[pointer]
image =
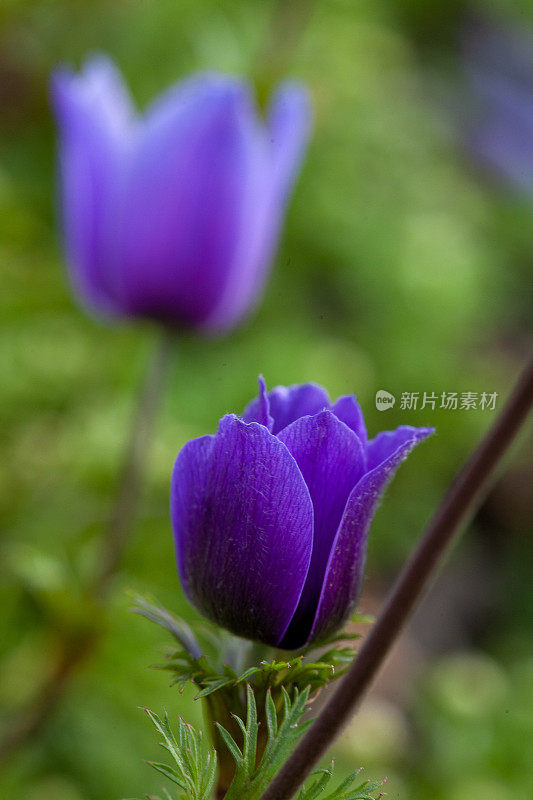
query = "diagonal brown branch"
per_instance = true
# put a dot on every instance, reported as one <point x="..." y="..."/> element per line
<point x="27" y="723"/>
<point x="462" y="497"/>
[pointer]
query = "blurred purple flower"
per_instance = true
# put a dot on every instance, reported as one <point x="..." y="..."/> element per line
<point x="271" y="514"/>
<point x="499" y="66"/>
<point x="174" y="215"/>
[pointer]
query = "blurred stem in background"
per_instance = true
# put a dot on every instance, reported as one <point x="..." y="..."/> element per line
<point x="286" y="26"/>
<point x="131" y="481"/>
<point x="77" y="648"/>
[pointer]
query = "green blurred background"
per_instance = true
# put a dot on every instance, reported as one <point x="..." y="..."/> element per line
<point x="400" y="268"/>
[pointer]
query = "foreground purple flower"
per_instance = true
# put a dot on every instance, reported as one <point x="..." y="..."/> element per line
<point x="271" y="514"/>
<point x="174" y="215"/>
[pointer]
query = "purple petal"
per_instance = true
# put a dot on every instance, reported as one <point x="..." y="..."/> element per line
<point x="498" y="61"/>
<point x="490" y="48"/>
<point x="243" y="526"/>
<point x="331" y="460"/>
<point x="385" y="443"/>
<point x="197" y="173"/>
<point x="289" y="123"/>
<point x="100" y="89"/>
<point x="289" y="403"/>
<point x="285" y="141"/>
<point x="259" y="409"/>
<point x="345" y="567"/>
<point x="95" y="121"/>
<point x="502" y="138"/>
<point x="348" y="410"/>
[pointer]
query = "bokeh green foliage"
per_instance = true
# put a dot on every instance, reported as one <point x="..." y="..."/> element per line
<point x="399" y="269"/>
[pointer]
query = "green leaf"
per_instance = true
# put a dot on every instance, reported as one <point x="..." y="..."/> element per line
<point x="314" y="788"/>
<point x="250" y="732"/>
<point x="344" y="791"/>
<point x="213" y="687"/>
<point x="209" y="776"/>
<point x="250" y="782"/>
<point x="247" y="674"/>
<point x="176" y="626"/>
<point x="231" y="744"/>
<point x="282" y="687"/>
<point x="190" y="664"/>
<point x="271" y="716"/>
<point x="194" y="767"/>
<point x="193" y="770"/>
<point x="169" y="773"/>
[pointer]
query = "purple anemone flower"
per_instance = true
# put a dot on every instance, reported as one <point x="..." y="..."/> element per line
<point x="175" y="214"/>
<point x="271" y="513"/>
<point x="498" y="61"/>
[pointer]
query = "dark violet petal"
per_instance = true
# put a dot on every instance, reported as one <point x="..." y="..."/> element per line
<point x="95" y="120"/>
<point x="348" y="410"/>
<point x="196" y="175"/>
<point x="243" y="527"/>
<point x="289" y="403"/>
<point x="258" y="409"/>
<point x="345" y="568"/>
<point x="331" y="459"/>
<point x="385" y="443"/>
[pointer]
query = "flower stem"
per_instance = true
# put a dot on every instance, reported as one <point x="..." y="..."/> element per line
<point x="463" y="496"/>
<point x="126" y="506"/>
<point x="286" y="27"/>
<point x="75" y="650"/>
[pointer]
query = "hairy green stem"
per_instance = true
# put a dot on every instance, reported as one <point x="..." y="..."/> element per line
<point x="463" y="496"/>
